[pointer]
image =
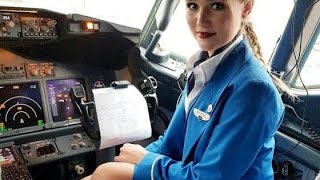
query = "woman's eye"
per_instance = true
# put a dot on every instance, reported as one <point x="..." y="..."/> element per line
<point x="217" y="6"/>
<point x="192" y="6"/>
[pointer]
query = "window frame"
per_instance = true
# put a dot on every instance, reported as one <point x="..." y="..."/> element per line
<point x="313" y="39"/>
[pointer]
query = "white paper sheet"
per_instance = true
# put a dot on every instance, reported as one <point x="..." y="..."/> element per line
<point x="122" y="115"/>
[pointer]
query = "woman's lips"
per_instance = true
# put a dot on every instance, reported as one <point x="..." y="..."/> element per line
<point x="204" y="35"/>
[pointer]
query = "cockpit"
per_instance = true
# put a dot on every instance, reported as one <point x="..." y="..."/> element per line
<point x="48" y="47"/>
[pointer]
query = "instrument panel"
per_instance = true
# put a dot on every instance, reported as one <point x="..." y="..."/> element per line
<point x="20" y="25"/>
<point x="37" y="114"/>
<point x="43" y="54"/>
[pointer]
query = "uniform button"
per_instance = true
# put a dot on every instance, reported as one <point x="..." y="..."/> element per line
<point x="209" y="110"/>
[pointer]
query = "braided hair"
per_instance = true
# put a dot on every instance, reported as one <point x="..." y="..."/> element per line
<point x="248" y="31"/>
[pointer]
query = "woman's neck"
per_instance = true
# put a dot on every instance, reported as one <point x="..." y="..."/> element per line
<point x="219" y="50"/>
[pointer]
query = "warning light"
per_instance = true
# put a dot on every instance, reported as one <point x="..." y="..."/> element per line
<point x="89" y="25"/>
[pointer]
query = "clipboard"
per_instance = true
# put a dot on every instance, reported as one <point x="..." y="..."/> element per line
<point x="122" y="114"/>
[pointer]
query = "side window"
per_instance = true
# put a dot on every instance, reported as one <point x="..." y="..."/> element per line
<point x="177" y="38"/>
<point x="268" y="26"/>
<point x="310" y="72"/>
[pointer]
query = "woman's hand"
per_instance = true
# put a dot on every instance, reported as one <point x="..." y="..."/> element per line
<point x="131" y="153"/>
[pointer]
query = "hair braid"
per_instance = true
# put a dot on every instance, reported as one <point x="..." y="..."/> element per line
<point x="257" y="51"/>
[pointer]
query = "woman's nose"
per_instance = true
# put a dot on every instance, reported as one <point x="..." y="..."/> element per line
<point x="203" y="19"/>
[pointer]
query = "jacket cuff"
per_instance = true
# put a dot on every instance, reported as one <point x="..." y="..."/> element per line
<point x="144" y="170"/>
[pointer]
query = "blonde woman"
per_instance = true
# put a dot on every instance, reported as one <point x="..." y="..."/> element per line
<point x="224" y="125"/>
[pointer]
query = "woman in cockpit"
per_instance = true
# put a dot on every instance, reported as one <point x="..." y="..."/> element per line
<point x="224" y="125"/>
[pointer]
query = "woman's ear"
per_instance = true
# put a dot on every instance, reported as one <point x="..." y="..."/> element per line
<point x="247" y="8"/>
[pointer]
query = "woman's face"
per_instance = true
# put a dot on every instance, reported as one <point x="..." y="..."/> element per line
<point x="214" y="23"/>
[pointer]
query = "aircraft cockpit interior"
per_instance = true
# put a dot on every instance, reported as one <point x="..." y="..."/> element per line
<point x="49" y="47"/>
<point x="43" y="55"/>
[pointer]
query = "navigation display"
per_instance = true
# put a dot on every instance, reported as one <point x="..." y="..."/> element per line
<point x="20" y="106"/>
<point x="59" y="98"/>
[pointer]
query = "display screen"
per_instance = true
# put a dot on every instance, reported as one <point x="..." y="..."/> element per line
<point x="6" y="156"/>
<point x="20" y="106"/>
<point x="59" y="98"/>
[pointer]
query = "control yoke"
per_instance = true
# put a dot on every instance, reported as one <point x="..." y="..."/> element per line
<point x="148" y="88"/>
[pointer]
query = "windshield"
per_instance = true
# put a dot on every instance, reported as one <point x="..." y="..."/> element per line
<point x="268" y="26"/>
<point x="124" y="12"/>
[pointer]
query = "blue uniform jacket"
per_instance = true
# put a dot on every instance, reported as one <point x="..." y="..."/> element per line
<point x="237" y="142"/>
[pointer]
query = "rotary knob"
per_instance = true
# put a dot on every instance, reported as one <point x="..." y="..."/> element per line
<point x="3" y="30"/>
<point x="51" y="23"/>
<point x="10" y="24"/>
<point x="82" y="144"/>
<point x="79" y="170"/>
<point x="36" y="29"/>
<point x="45" y="29"/>
<point x="30" y="22"/>
<point x="34" y="70"/>
<point x="77" y="136"/>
